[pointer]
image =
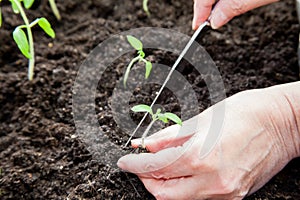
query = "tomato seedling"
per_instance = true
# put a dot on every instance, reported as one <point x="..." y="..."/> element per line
<point x="145" y="7"/>
<point x="54" y="9"/>
<point x="0" y="16"/>
<point x="164" y="117"/>
<point x="24" y="40"/>
<point x="137" y="45"/>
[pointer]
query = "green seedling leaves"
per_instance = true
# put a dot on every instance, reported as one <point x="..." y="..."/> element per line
<point x="173" y="118"/>
<point x="14" y="6"/>
<point x="46" y="26"/>
<point x="163" y="118"/>
<point x="142" y="108"/>
<point x="28" y="3"/>
<point x="148" y="69"/>
<point x="135" y="43"/>
<point x="22" y="42"/>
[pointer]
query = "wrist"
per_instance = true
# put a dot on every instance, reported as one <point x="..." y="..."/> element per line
<point x="286" y="116"/>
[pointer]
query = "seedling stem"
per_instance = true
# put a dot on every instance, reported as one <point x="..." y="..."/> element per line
<point x="145" y="7"/>
<point x="30" y="39"/>
<point x="54" y="9"/>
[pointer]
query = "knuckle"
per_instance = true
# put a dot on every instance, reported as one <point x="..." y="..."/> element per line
<point x="238" y="7"/>
<point x="154" y="171"/>
<point x="157" y="175"/>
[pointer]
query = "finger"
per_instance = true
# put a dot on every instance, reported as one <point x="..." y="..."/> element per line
<point x="164" y="164"/>
<point x="202" y="10"/>
<point x="168" y="163"/>
<point x="171" y="136"/>
<point x="179" y="188"/>
<point x="175" y="161"/>
<point x="176" y="135"/>
<point x="225" y="10"/>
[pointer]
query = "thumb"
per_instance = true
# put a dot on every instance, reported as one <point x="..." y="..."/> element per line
<point x="225" y="10"/>
<point x="202" y="10"/>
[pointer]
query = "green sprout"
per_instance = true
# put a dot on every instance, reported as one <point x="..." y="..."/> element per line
<point x="137" y="45"/>
<point x="25" y="41"/>
<point x="54" y="9"/>
<point x="0" y="16"/>
<point x="145" y="7"/>
<point x="164" y="117"/>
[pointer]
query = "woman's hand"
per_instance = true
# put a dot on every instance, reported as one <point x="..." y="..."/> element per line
<point x="223" y="11"/>
<point x="260" y="135"/>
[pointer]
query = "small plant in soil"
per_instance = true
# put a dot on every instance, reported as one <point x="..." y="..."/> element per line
<point x="54" y="9"/>
<point x="137" y="45"/>
<point x="145" y="7"/>
<point x="158" y="116"/>
<point x="24" y="40"/>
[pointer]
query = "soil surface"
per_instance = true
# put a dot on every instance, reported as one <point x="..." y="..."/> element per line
<point x="41" y="157"/>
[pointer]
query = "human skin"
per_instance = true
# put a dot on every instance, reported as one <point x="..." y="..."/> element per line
<point x="259" y="136"/>
<point x="223" y="10"/>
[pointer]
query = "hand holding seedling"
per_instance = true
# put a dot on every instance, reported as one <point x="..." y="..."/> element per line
<point x="223" y="11"/>
<point x="137" y="45"/>
<point x="257" y="140"/>
<point x="164" y="117"/>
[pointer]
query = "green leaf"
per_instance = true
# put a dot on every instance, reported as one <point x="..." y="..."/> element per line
<point x="46" y="26"/>
<point x="142" y="108"/>
<point x="28" y="3"/>
<point x="173" y="118"/>
<point x="135" y="43"/>
<point x="163" y="118"/>
<point x="22" y="42"/>
<point x="14" y="6"/>
<point x="54" y="9"/>
<point x="148" y="68"/>
<point x="145" y="7"/>
<point x="0" y="17"/>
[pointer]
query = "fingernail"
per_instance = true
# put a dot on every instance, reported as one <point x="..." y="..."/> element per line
<point x="218" y="19"/>
<point x="120" y="163"/>
<point x="194" y="25"/>
<point x="136" y="143"/>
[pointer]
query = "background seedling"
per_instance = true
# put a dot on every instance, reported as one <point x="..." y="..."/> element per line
<point x="137" y="45"/>
<point x="145" y="7"/>
<point x="0" y="16"/>
<point x="24" y="40"/>
<point x="54" y="9"/>
<point x="164" y="117"/>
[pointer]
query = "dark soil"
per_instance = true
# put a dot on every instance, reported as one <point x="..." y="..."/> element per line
<point x="41" y="156"/>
